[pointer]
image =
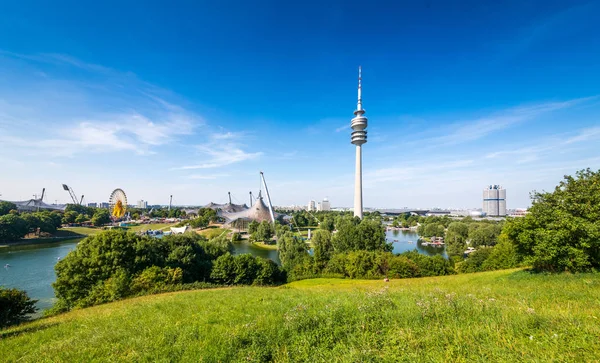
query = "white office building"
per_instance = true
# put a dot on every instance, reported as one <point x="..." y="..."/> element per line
<point x="494" y="201"/>
<point x="325" y="205"/>
<point x="142" y="204"/>
<point x="311" y="206"/>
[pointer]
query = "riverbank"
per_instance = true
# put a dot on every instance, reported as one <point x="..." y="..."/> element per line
<point x="39" y="241"/>
<point x="265" y="246"/>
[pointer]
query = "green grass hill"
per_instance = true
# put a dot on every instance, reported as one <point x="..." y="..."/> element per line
<point x="507" y="316"/>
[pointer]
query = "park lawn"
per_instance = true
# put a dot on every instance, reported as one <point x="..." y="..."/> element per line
<point x="83" y="231"/>
<point x="506" y="316"/>
<point x="211" y="233"/>
<point x="152" y="226"/>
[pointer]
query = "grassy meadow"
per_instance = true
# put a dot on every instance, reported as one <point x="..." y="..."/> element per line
<point x="506" y="316"/>
<point x="213" y="232"/>
<point x="152" y="226"/>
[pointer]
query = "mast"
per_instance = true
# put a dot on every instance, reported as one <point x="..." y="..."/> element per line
<point x="268" y="197"/>
<point x="358" y="138"/>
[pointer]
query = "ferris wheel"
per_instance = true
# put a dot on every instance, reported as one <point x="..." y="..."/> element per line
<point x="117" y="203"/>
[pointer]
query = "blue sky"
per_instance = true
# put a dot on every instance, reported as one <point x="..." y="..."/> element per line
<point x="194" y="99"/>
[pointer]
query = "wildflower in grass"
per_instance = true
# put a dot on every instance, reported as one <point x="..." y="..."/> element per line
<point x="531" y="337"/>
<point x="530" y="311"/>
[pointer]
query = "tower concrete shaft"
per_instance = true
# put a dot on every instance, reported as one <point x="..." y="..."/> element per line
<point x="358" y="138"/>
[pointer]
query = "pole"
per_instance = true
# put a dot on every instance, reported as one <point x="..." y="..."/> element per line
<point x="268" y="197"/>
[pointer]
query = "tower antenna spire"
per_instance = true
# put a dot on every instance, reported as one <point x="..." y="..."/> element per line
<point x="359" y="104"/>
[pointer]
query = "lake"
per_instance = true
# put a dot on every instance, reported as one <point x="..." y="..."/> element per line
<point x="32" y="267"/>
<point x="408" y="240"/>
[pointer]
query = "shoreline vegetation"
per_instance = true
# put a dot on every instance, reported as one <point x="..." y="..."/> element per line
<point x="265" y="246"/>
<point x="68" y="233"/>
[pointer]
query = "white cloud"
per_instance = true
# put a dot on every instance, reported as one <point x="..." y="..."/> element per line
<point x="98" y="110"/>
<point x="207" y="176"/>
<point x="464" y="131"/>
<point x="221" y="153"/>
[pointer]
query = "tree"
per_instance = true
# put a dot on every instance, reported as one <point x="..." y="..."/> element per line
<point x="223" y="270"/>
<point x="456" y="238"/>
<point x="327" y="224"/>
<point x="561" y="231"/>
<point x="322" y="247"/>
<point x="252" y="226"/>
<point x="354" y="235"/>
<point x="291" y="250"/>
<point x="12" y="227"/>
<point x="81" y="218"/>
<point x="69" y="217"/>
<point x="371" y="236"/>
<point x="15" y="306"/>
<point x="6" y="207"/>
<point x="101" y="217"/>
<point x="484" y="234"/>
<point x="264" y="232"/>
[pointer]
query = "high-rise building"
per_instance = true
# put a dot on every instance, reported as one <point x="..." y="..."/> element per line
<point x="104" y="205"/>
<point x="142" y="204"/>
<point x="325" y="205"/>
<point x="494" y="201"/>
<point x="358" y="138"/>
<point x="95" y="205"/>
<point x="311" y="206"/>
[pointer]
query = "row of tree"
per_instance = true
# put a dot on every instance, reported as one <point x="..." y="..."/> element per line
<point x="116" y="264"/>
<point x="15" y="225"/>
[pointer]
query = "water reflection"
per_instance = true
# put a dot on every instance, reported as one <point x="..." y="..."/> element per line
<point x="408" y="240"/>
<point x="245" y="247"/>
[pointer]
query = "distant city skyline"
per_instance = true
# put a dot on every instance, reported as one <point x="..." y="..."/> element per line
<point x="153" y="101"/>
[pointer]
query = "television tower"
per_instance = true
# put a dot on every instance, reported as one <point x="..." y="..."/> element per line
<point x="359" y="137"/>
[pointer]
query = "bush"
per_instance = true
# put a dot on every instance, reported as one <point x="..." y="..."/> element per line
<point x="401" y="267"/>
<point x="503" y="256"/>
<point x="475" y="261"/>
<point x="15" y="306"/>
<point x="246" y="269"/>
<point x="154" y="278"/>
<point x="430" y="265"/>
<point x="363" y="264"/>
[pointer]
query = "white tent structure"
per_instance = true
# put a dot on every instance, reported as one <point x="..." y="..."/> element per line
<point x="180" y="230"/>
<point x="34" y="205"/>
<point x="258" y="212"/>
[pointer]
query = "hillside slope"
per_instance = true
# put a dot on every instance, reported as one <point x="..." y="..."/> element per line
<point x="494" y="316"/>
